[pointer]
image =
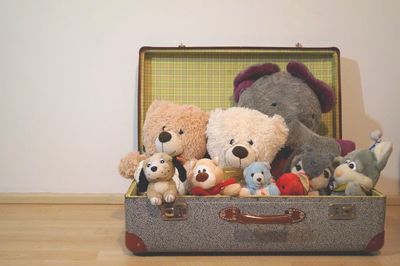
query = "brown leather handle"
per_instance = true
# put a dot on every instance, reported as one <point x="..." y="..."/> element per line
<point x="233" y="214"/>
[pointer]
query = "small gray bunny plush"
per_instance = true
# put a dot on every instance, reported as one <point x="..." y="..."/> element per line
<point x="359" y="171"/>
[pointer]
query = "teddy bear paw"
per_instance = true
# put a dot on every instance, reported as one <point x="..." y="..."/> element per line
<point x="169" y="198"/>
<point x="155" y="201"/>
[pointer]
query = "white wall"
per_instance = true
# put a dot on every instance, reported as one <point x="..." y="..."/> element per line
<point x="68" y="75"/>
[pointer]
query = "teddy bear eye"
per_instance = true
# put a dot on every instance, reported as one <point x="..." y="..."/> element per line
<point x="274" y="104"/>
<point x="251" y="142"/>
<point x="148" y="165"/>
<point x="204" y="170"/>
<point x="231" y="141"/>
<point x="199" y="172"/>
<point x="180" y="132"/>
<point x="262" y="172"/>
<point x="298" y="167"/>
<point x="162" y="161"/>
<point x="252" y="174"/>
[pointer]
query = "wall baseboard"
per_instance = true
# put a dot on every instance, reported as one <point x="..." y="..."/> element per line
<point x="61" y="198"/>
<point x="94" y="198"/>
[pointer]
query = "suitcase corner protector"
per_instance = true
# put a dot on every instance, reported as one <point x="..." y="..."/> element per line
<point x="376" y="243"/>
<point x="134" y="243"/>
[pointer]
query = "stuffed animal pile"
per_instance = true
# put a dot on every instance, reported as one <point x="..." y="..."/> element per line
<point x="266" y="146"/>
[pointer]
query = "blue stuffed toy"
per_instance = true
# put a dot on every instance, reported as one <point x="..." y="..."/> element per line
<point x="259" y="181"/>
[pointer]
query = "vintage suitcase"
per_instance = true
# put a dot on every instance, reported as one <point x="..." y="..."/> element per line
<point x="203" y="77"/>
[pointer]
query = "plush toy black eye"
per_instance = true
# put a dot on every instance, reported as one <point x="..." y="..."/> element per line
<point x="252" y="174"/>
<point x="199" y="172"/>
<point x="274" y="104"/>
<point x="148" y="165"/>
<point x="204" y="170"/>
<point x="262" y="172"/>
<point x="180" y="132"/>
<point x="298" y="167"/>
<point x="231" y="142"/>
<point x="163" y="128"/>
<point x="352" y="166"/>
<point x="327" y="173"/>
<point x="251" y="142"/>
<point x="162" y="161"/>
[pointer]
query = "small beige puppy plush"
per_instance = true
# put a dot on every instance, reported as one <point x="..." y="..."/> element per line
<point x="159" y="170"/>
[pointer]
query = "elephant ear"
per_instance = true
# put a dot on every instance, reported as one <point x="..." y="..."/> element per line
<point x="323" y="91"/>
<point x="247" y="77"/>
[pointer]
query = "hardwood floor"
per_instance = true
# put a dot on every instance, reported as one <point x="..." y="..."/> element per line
<point x="44" y="234"/>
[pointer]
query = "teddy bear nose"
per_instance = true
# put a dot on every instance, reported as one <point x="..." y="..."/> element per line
<point x="259" y="179"/>
<point x="154" y="168"/>
<point x="240" y="152"/>
<point x="164" y="137"/>
<point x="201" y="177"/>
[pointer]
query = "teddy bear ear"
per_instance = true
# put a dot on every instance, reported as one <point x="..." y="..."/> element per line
<point x="216" y="160"/>
<point x="267" y="165"/>
<point x="281" y="129"/>
<point x="191" y="165"/>
<point x="156" y="105"/>
<point x="325" y="94"/>
<point x="247" y="77"/>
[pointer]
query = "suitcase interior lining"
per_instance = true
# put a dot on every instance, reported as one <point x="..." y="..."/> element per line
<point x="204" y="76"/>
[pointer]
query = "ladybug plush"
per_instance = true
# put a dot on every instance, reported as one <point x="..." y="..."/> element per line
<point x="293" y="184"/>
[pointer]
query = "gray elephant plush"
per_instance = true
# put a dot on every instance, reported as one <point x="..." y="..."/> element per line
<point x="298" y="97"/>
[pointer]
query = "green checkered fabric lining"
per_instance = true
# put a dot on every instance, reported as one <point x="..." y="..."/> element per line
<point x="204" y="77"/>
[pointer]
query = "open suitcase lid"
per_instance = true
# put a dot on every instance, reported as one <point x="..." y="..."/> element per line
<point x="203" y="76"/>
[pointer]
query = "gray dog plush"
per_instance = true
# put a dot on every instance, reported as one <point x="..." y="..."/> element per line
<point x="359" y="170"/>
<point x="317" y="166"/>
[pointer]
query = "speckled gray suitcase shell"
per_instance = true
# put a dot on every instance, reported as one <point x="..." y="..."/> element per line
<point x="255" y="224"/>
<point x="250" y="224"/>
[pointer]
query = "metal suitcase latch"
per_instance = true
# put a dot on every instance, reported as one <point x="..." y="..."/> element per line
<point x="342" y="211"/>
<point x="176" y="211"/>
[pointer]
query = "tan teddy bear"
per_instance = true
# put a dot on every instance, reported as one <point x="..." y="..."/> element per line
<point x="207" y="178"/>
<point x="178" y="130"/>
<point x="159" y="170"/>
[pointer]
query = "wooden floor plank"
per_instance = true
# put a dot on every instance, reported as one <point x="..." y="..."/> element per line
<point x="59" y="234"/>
